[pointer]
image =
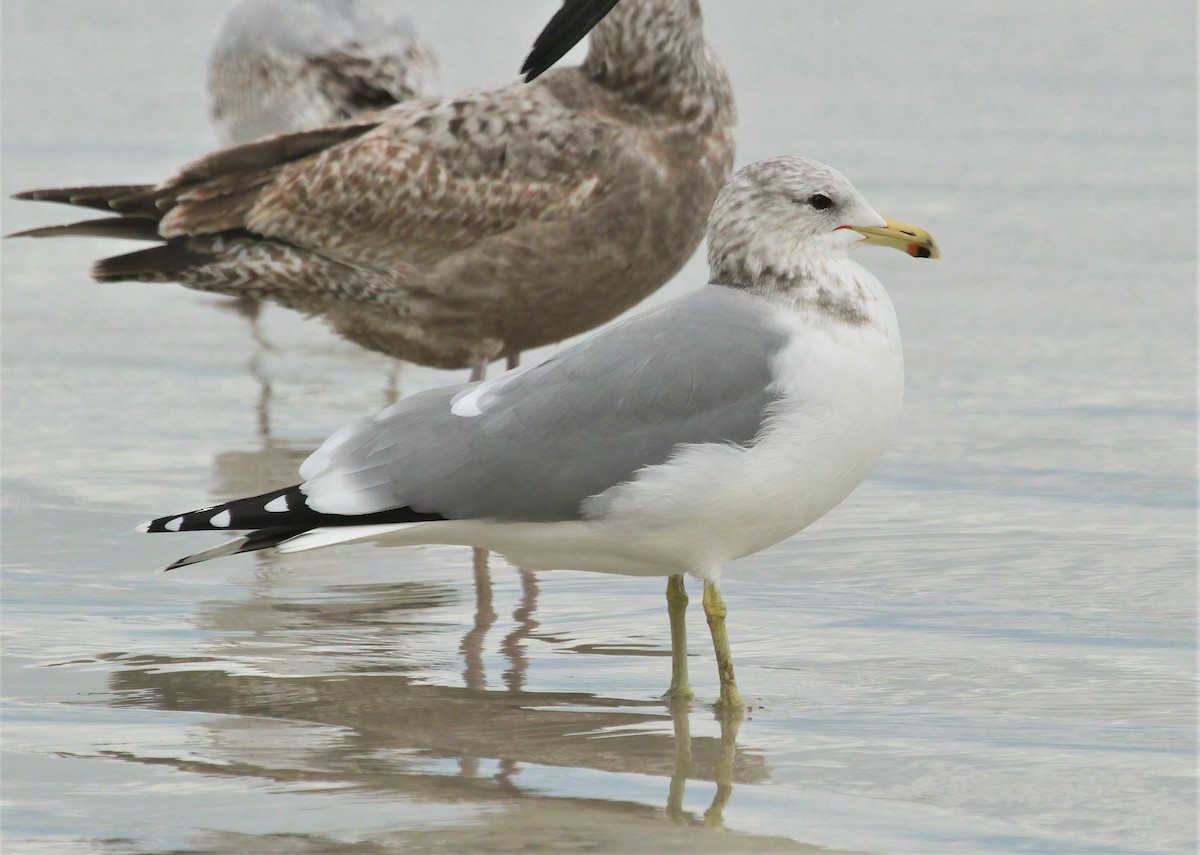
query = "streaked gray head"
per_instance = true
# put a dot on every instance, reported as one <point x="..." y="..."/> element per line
<point x="776" y="216"/>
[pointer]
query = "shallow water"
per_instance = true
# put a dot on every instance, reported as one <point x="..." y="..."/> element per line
<point x="990" y="647"/>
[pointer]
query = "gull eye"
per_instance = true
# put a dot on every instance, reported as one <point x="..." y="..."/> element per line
<point x="820" y="201"/>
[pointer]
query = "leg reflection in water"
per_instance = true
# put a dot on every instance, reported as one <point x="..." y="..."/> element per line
<point x="513" y="646"/>
<point x="714" y="817"/>
<point x="474" y="673"/>
<point x="685" y="766"/>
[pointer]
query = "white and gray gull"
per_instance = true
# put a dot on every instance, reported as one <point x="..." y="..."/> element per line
<point x="279" y="66"/>
<point x="457" y="230"/>
<point x="673" y="442"/>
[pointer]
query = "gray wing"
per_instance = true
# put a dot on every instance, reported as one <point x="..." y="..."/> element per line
<point x="309" y="28"/>
<point x="287" y="65"/>
<point x="532" y="446"/>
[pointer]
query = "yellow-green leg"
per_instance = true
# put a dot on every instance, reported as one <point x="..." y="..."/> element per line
<point x="677" y="601"/>
<point x="715" y="611"/>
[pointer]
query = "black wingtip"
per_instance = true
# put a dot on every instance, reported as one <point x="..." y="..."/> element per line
<point x="571" y="23"/>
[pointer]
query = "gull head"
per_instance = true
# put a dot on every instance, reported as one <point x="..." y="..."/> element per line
<point x="776" y="218"/>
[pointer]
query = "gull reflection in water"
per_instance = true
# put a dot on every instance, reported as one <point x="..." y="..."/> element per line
<point x="276" y="462"/>
<point x="340" y="688"/>
<point x="261" y="347"/>
<point x="344" y="666"/>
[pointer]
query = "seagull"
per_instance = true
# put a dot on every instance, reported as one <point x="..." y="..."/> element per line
<point x="279" y="66"/>
<point x="454" y="231"/>
<point x="671" y="443"/>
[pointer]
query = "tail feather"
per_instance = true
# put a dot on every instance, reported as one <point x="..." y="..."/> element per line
<point x="252" y="542"/>
<point x="100" y="197"/>
<point x="163" y="263"/>
<point x="245" y="167"/>
<point x="271" y="518"/>
<point x="128" y="228"/>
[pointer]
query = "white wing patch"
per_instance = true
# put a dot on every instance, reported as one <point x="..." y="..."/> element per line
<point x="333" y="492"/>
<point x="466" y="403"/>
<point x="473" y="402"/>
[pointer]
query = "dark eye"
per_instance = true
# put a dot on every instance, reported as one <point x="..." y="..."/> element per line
<point x="820" y="201"/>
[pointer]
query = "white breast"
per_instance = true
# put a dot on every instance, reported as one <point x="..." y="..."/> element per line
<point x="841" y="389"/>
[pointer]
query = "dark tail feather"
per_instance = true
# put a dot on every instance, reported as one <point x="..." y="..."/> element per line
<point x="286" y="508"/>
<point x="158" y="264"/>
<point x="152" y="201"/>
<point x="274" y="518"/>
<point x="100" y="197"/>
<point x="252" y="542"/>
<point x="570" y="24"/>
<point x="129" y="228"/>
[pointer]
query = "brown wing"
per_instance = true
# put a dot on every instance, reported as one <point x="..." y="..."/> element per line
<point x="222" y="173"/>
<point x="431" y="178"/>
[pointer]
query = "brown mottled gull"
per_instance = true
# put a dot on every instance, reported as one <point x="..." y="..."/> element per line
<point x="674" y="442"/>
<point x="453" y="231"/>
<point x="279" y="66"/>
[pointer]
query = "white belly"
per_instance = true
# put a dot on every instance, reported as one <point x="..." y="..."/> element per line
<point x="711" y="504"/>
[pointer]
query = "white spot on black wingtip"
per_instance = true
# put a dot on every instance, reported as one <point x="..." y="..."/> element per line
<point x="173" y="525"/>
<point x="143" y="528"/>
<point x="277" y="506"/>
<point x="221" y="520"/>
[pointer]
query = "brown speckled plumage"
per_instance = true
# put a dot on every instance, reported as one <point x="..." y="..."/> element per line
<point x="455" y="230"/>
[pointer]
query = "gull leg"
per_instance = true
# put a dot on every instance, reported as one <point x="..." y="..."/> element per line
<point x="512" y="361"/>
<point x="677" y="601"/>
<point x="391" y="393"/>
<point x="715" y="611"/>
<point x="263" y="406"/>
<point x="482" y="355"/>
<point x="251" y="310"/>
